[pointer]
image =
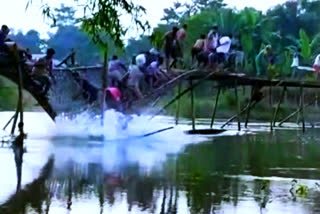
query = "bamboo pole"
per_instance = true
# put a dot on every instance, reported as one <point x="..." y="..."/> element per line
<point x="192" y="106"/>
<point x="238" y="104"/>
<point x="181" y="94"/>
<point x="178" y="105"/>
<point x="20" y="105"/>
<point x="215" y="107"/>
<point x="16" y="115"/>
<point x="302" y="109"/>
<point x="236" y="115"/>
<point x="249" y="109"/>
<point x="104" y="85"/>
<point x="4" y="128"/>
<point x="270" y="95"/>
<point x="278" y="106"/>
<point x="294" y="113"/>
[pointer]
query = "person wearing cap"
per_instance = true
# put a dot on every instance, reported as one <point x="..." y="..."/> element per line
<point x="135" y="79"/>
<point x="262" y="60"/>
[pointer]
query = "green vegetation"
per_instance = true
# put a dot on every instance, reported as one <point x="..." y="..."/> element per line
<point x="287" y="27"/>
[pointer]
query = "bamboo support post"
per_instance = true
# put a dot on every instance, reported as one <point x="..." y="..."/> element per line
<point x="302" y="108"/>
<point x="4" y="128"/>
<point x="192" y="106"/>
<point x="16" y="115"/>
<point x="236" y="115"/>
<point x="181" y="94"/>
<point x="178" y="105"/>
<point x="270" y="95"/>
<point x="238" y="104"/>
<point x="215" y="108"/>
<point x="294" y="113"/>
<point x="104" y="85"/>
<point x="20" y="105"/>
<point x="19" y="110"/>
<point x="249" y="109"/>
<point x="279" y="105"/>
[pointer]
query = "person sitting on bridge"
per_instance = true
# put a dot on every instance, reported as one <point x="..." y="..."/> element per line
<point x="262" y="61"/>
<point x="170" y="46"/>
<point x="3" y="37"/>
<point x="198" y="47"/>
<point x="316" y="66"/>
<point x="117" y="70"/>
<point x="43" y="69"/>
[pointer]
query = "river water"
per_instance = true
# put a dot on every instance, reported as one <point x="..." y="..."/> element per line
<point x="78" y="166"/>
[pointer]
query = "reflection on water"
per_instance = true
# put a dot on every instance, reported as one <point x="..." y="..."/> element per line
<point x="254" y="172"/>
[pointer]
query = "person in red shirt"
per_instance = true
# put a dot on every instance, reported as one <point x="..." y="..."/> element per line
<point x="113" y="98"/>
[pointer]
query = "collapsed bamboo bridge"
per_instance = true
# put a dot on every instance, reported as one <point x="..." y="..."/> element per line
<point x="194" y="77"/>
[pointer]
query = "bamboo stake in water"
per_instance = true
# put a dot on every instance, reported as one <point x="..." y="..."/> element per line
<point x="279" y="104"/>
<point x="178" y="104"/>
<point x="192" y="106"/>
<point x="215" y="108"/>
<point x="238" y="104"/>
<point x="104" y="85"/>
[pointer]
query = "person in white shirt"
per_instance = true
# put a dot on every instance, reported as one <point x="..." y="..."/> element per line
<point x="316" y="66"/>
<point x="213" y="38"/>
<point x="295" y="64"/>
<point x="225" y="44"/>
<point x="222" y="51"/>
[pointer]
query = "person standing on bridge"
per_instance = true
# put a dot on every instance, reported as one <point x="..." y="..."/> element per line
<point x="316" y="66"/>
<point x="262" y="61"/>
<point x="180" y="38"/>
<point x="3" y="36"/>
<point x="170" y="46"/>
<point x="117" y="70"/>
<point x="198" y="47"/>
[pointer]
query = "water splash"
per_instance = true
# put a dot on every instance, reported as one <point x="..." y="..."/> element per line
<point x="123" y="142"/>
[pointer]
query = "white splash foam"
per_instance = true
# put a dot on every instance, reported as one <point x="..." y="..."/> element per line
<point x="123" y="142"/>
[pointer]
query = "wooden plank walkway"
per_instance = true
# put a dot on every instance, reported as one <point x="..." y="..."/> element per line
<point x="224" y="79"/>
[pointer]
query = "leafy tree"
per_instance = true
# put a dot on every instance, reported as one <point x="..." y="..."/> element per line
<point x="30" y="40"/>
<point x="137" y="45"/>
<point x="64" y="15"/>
<point x="104" y="16"/>
<point x="305" y="45"/>
<point x="71" y="37"/>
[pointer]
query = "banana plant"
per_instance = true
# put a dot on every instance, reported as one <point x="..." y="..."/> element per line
<point x="305" y="45"/>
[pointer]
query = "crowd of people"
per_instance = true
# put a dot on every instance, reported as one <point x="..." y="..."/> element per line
<point x="208" y="50"/>
<point x="146" y="70"/>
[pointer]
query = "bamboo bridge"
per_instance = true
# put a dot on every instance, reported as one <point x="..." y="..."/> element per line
<point x="194" y="77"/>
